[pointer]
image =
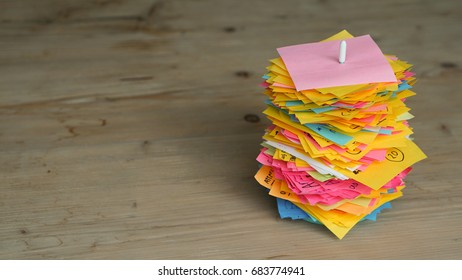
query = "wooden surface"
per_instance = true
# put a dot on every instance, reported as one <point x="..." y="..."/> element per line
<point x="122" y="129"/>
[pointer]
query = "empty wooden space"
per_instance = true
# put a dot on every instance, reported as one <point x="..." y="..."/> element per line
<point x="123" y="129"/>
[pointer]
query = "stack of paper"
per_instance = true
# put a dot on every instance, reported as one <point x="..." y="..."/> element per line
<point x="339" y="145"/>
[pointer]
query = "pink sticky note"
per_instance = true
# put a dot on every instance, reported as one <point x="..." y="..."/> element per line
<point x="316" y="65"/>
<point x="282" y="85"/>
<point x="379" y="154"/>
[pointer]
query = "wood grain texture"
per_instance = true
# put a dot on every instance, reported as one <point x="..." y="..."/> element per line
<point x="122" y="132"/>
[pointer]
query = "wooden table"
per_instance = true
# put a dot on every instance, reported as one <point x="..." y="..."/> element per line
<point x="123" y="136"/>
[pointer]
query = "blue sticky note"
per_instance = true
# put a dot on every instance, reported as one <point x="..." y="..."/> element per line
<point x="332" y="135"/>
<point x="289" y="210"/>
<point x="323" y="109"/>
<point x="403" y="86"/>
<point x="373" y="215"/>
<point x="268" y="102"/>
<point x="385" y="131"/>
<point x="294" y="103"/>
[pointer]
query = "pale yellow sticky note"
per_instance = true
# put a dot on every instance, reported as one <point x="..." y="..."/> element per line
<point x="320" y="177"/>
<point x="404" y="116"/>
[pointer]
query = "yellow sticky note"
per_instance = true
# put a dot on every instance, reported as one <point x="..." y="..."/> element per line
<point x="282" y="191"/>
<point x="339" y="222"/>
<point x="341" y="91"/>
<point x="342" y="35"/>
<point x="278" y="61"/>
<point x="397" y="159"/>
<point x="278" y="70"/>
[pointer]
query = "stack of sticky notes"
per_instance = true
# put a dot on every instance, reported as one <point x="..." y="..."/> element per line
<point x="339" y="145"/>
